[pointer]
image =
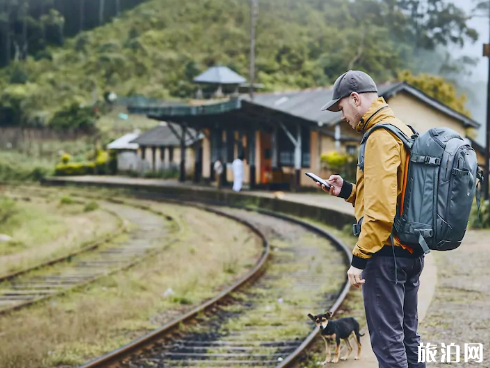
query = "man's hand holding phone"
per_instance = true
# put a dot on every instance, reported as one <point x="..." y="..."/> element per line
<point x="335" y="182"/>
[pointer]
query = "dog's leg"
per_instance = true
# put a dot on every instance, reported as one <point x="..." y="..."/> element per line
<point x="337" y="350"/>
<point x="327" y="351"/>
<point x="349" y="347"/>
<point x="359" y="345"/>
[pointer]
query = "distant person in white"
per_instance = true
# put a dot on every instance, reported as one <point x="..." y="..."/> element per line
<point x="218" y="169"/>
<point x="238" y="173"/>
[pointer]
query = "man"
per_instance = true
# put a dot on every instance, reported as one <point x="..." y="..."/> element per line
<point x="218" y="170"/>
<point x="237" y="166"/>
<point x="389" y="275"/>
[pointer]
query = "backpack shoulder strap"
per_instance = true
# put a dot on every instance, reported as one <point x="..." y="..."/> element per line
<point x="407" y="142"/>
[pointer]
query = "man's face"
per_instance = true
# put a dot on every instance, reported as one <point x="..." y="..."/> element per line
<point x="349" y="106"/>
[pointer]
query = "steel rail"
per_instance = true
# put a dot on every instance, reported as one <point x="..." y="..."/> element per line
<point x="147" y="339"/>
<point x="150" y="338"/>
<point x="93" y="246"/>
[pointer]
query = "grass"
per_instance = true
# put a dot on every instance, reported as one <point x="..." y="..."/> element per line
<point x="42" y="229"/>
<point x="20" y="167"/>
<point x="74" y="328"/>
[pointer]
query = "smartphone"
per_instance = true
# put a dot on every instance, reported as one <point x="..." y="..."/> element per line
<point x="318" y="180"/>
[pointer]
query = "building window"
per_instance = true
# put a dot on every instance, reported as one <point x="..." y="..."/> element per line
<point x="351" y="149"/>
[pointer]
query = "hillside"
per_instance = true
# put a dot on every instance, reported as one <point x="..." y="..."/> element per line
<point x="158" y="47"/>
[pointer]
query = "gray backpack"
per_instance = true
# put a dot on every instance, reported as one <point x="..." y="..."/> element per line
<point x="440" y="186"/>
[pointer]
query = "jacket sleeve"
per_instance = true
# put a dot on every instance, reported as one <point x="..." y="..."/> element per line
<point x="348" y="192"/>
<point x="380" y="195"/>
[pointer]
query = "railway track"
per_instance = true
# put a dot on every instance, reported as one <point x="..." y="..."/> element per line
<point x="261" y="321"/>
<point x="101" y="258"/>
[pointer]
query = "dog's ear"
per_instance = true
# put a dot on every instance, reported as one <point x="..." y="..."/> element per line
<point x="328" y="314"/>
<point x="311" y="316"/>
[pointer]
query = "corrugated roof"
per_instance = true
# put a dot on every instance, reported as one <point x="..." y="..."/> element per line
<point x="306" y="104"/>
<point x="220" y="75"/>
<point x="124" y="142"/>
<point x="162" y="135"/>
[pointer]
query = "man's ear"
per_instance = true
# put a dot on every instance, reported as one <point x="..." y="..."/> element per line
<point x="328" y="314"/>
<point x="311" y="316"/>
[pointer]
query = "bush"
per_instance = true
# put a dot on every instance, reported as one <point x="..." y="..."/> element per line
<point x="65" y="158"/>
<point x="7" y="209"/>
<point x="17" y="168"/>
<point x="91" y="206"/>
<point x="340" y="163"/>
<point x="75" y="169"/>
<point x="66" y="200"/>
<point x="164" y="174"/>
<point x="482" y="221"/>
<point x="84" y="168"/>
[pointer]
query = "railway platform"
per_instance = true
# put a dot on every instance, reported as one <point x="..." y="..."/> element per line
<point x="311" y="199"/>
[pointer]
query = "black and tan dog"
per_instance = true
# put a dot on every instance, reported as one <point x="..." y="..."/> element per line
<point x="340" y="329"/>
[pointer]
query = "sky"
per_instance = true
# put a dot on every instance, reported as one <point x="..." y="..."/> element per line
<point x="481" y="25"/>
<point x="478" y="80"/>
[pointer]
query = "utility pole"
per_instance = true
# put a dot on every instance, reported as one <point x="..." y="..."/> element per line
<point x="486" y="52"/>
<point x="254" y="6"/>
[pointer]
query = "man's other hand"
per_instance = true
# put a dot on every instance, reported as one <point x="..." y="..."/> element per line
<point x="335" y="182"/>
<point x="355" y="277"/>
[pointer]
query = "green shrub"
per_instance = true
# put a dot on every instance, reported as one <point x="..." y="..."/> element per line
<point x="66" y="200"/>
<point x="74" y="168"/>
<point x="482" y="221"/>
<point x="340" y="163"/>
<point x="163" y="174"/>
<point x="91" y="206"/>
<point x="7" y="209"/>
<point x="65" y="158"/>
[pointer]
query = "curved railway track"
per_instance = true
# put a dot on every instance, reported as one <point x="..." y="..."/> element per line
<point x="259" y="321"/>
<point x="26" y="287"/>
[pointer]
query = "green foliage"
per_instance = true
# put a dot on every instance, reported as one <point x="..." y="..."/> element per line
<point x="15" y="168"/>
<point x="481" y="221"/>
<point x="74" y="116"/>
<point x="65" y="158"/>
<point x="163" y="174"/>
<point x="99" y="166"/>
<point x="66" y="200"/>
<point x="438" y="88"/>
<point x="155" y="53"/>
<point x="340" y="163"/>
<point x="91" y="206"/>
<point x="7" y="209"/>
<point x="75" y="169"/>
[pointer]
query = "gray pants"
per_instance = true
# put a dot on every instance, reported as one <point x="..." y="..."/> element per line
<point x="391" y="309"/>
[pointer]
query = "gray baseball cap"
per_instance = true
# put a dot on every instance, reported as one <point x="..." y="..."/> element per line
<point x="352" y="81"/>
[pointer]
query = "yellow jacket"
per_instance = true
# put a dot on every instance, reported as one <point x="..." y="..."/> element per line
<point x="378" y="189"/>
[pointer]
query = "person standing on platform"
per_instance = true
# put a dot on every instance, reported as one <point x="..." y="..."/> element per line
<point x="218" y="170"/>
<point x="238" y="173"/>
<point x="388" y="271"/>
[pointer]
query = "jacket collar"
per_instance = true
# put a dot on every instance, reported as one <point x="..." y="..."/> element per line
<point x="378" y="112"/>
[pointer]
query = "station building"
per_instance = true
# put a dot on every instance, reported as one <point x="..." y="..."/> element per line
<point x="282" y="135"/>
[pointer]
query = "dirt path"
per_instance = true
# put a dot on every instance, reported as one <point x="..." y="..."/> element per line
<point x="460" y="310"/>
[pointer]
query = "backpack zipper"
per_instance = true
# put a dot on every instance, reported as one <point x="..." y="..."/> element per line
<point x="455" y="162"/>
<point x="434" y="137"/>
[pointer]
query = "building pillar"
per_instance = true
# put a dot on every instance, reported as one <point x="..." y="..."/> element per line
<point x="337" y="137"/>
<point x="297" y="157"/>
<point x="274" y="148"/>
<point x="153" y="159"/>
<point x="197" y="162"/>
<point x="182" y="154"/>
<point x="251" y="157"/>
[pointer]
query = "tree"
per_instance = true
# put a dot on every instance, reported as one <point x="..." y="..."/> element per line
<point x="438" y="88"/>
<point x="434" y="22"/>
